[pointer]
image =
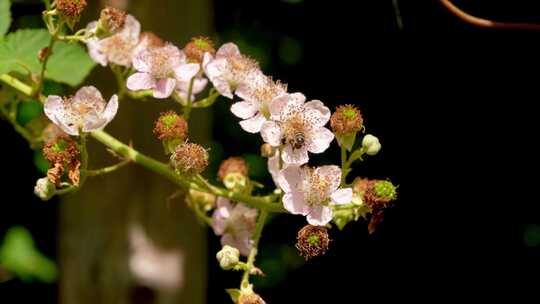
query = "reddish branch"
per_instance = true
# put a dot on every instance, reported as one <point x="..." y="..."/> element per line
<point x="485" y="22"/>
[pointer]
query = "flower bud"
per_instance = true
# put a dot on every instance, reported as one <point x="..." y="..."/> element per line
<point x="197" y="47"/>
<point x="171" y="129"/>
<point x="232" y="165"/>
<point x="71" y="8"/>
<point x="312" y="241"/>
<point x="267" y="150"/>
<point x="111" y="20"/>
<point x="44" y="189"/>
<point x="189" y="159"/>
<point x="228" y="257"/>
<point x="205" y="201"/>
<point x="371" y="144"/>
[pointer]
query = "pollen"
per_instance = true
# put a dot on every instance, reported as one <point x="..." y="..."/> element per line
<point x="112" y="19"/>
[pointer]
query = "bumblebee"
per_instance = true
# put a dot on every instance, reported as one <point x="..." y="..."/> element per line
<point x="298" y="140"/>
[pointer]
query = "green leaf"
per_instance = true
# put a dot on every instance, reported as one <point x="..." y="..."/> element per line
<point x="28" y="110"/>
<point x="69" y="63"/>
<point x="19" y="255"/>
<point x="5" y="17"/>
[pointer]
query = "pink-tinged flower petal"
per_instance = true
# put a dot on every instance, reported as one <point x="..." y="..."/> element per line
<point x="271" y="133"/>
<point x="132" y="28"/>
<point x="67" y="126"/>
<point x="283" y="102"/>
<point x="319" y="215"/>
<point x="221" y="213"/>
<point x="254" y="124"/>
<point x="164" y="87"/>
<point x="206" y="59"/>
<point x="112" y="108"/>
<point x="141" y="62"/>
<point x="242" y="244"/>
<point x="318" y="112"/>
<point x="244" y="109"/>
<point x="185" y="72"/>
<point x="273" y="168"/>
<point x="295" y="156"/>
<point x="140" y="81"/>
<point x="53" y="106"/>
<point x="342" y="196"/>
<point x="319" y="140"/>
<point x="198" y="85"/>
<point x="228" y="50"/>
<point x="214" y="70"/>
<point x="294" y="203"/>
<point x="94" y="50"/>
<point x="88" y="93"/>
<point x="94" y="123"/>
<point x="333" y="173"/>
<point x="290" y="178"/>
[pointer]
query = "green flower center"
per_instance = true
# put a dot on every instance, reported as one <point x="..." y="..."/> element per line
<point x="385" y="189"/>
<point x="169" y="120"/>
<point x="313" y="240"/>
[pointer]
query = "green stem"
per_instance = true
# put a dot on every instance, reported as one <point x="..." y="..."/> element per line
<point x="20" y="129"/>
<point x="120" y="80"/>
<point x="53" y="40"/>
<point x="253" y="253"/>
<point x="16" y="84"/>
<point x="344" y="165"/>
<point x="108" y="169"/>
<point x="260" y="202"/>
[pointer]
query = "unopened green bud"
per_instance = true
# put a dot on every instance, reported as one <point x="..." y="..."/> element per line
<point x="44" y="189"/>
<point x="371" y="144"/>
<point x="228" y="257"/>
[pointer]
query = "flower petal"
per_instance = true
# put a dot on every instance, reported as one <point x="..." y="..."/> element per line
<point x="53" y="106"/>
<point x="295" y="156"/>
<point x="283" y="102"/>
<point x="164" y="87"/>
<point x="319" y="215"/>
<point x="273" y="168"/>
<point x="294" y="203"/>
<point x="271" y="133"/>
<point x="244" y="109"/>
<point x="185" y="72"/>
<point x="220" y="215"/>
<point x="254" y="124"/>
<point x="228" y="50"/>
<point x="140" y="81"/>
<point x="112" y="107"/>
<point x="88" y="93"/>
<point x="333" y="173"/>
<point x="141" y="62"/>
<point x="319" y="140"/>
<point x="95" y="52"/>
<point x="318" y="113"/>
<point x="290" y="178"/>
<point x="342" y="196"/>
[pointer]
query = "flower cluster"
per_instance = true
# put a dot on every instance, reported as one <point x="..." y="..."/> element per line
<point x="292" y="128"/>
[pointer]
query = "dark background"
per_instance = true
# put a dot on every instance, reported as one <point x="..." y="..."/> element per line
<point x="454" y="108"/>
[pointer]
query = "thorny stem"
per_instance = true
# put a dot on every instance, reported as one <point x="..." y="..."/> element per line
<point x="253" y="253"/>
<point x="486" y="23"/>
<point x="261" y="202"/>
<point x="108" y="169"/>
<point x="53" y="40"/>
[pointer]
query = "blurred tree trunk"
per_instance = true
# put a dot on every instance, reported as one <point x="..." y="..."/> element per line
<point x="95" y="248"/>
